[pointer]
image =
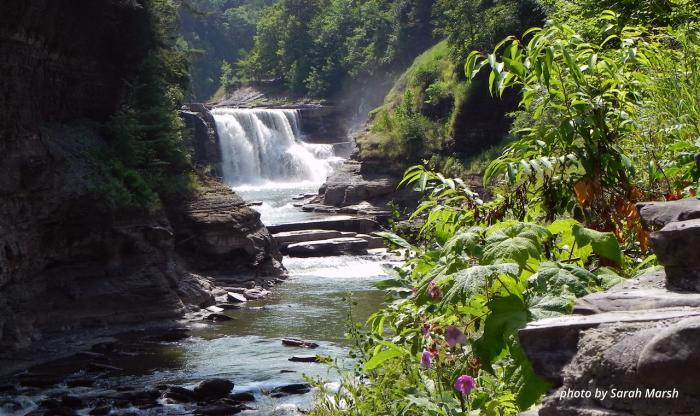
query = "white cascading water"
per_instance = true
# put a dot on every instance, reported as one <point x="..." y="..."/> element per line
<point x="263" y="146"/>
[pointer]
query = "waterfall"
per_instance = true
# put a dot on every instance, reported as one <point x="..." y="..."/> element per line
<point x="263" y="146"/>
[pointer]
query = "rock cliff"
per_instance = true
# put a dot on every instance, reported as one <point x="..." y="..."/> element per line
<point x="68" y="261"/>
<point x="634" y="350"/>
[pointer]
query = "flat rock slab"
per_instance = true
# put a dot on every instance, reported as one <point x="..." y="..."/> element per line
<point x="551" y="343"/>
<point x="305" y="359"/>
<point x="635" y="300"/>
<point x="288" y="237"/>
<point x="658" y="214"/>
<point x="296" y="342"/>
<point x="373" y="242"/>
<point x="330" y="247"/>
<point x="336" y="223"/>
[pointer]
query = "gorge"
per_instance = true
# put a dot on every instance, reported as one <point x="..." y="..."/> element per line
<point x="341" y="207"/>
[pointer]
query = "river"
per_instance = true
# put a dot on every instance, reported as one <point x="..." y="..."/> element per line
<point x="265" y="161"/>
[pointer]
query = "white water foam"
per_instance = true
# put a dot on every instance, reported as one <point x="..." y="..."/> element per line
<point x="263" y="148"/>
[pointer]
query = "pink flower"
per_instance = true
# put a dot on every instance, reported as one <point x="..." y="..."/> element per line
<point x="454" y="336"/>
<point x="426" y="359"/>
<point x="434" y="291"/>
<point x="465" y="384"/>
<point x="425" y="330"/>
<point x="414" y="291"/>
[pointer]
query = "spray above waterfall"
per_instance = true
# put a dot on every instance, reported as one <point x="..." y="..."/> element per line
<point x="264" y="146"/>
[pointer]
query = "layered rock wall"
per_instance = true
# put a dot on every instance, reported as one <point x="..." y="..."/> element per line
<point x="67" y="260"/>
<point x="634" y="350"/>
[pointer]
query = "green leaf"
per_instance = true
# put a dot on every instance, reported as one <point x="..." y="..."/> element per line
<point x="465" y="242"/>
<point x="381" y="357"/>
<point x="517" y="243"/>
<point x="395" y="239"/>
<point x="556" y="278"/>
<point x="603" y="244"/>
<point x="548" y="306"/>
<point x="508" y="314"/>
<point x="471" y="281"/>
<point x="528" y="387"/>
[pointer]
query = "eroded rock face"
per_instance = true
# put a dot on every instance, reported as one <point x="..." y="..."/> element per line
<point x="348" y="186"/>
<point x="218" y="231"/>
<point x="203" y="139"/>
<point x="635" y="350"/>
<point x="70" y="259"/>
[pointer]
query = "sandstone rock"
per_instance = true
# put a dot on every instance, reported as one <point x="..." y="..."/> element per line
<point x="336" y="223"/>
<point x="551" y="343"/>
<point x="236" y="297"/>
<point x="242" y="397"/>
<point x="348" y="186"/>
<point x="305" y="359"/>
<point x="672" y="358"/>
<point x="298" y="388"/>
<point x="330" y="247"/>
<point x="658" y="214"/>
<point x="180" y="394"/>
<point x="296" y="342"/>
<point x="218" y="317"/>
<point x="676" y="246"/>
<point x="372" y="241"/>
<point x="218" y="231"/>
<point x="286" y="238"/>
<point x="213" y="389"/>
<point x="257" y="293"/>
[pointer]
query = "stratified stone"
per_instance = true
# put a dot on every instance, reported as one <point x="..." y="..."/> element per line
<point x="658" y="214"/>
<point x="672" y="358"/>
<point x="676" y="246"/>
<point x="213" y="389"/>
<point x="330" y="247"/>
<point x="550" y="344"/>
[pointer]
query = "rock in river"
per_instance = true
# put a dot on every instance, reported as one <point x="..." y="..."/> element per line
<point x="330" y="247"/>
<point x="296" y="342"/>
<point x="213" y="389"/>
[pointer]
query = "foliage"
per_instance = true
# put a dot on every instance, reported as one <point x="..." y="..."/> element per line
<point x="221" y="32"/>
<point x="486" y="281"/>
<point x="479" y="24"/>
<point x="147" y="161"/>
<point x="606" y="119"/>
<point x="314" y="45"/>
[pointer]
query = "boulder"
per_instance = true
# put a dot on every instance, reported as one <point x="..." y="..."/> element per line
<point x="676" y="246"/>
<point x="672" y="358"/>
<point x="213" y="389"/>
<point x="343" y="223"/>
<point x="373" y="242"/>
<point x="236" y="297"/>
<point x="330" y="247"/>
<point x="242" y="397"/>
<point x="658" y="214"/>
<point x="297" y="388"/>
<point x="256" y="293"/>
<point x="218" y="317"/>
<point x="180" y="394"/>
<point x="296" y="342"/>
<point x="305" y="359"/>
<point x="349" y="186"/>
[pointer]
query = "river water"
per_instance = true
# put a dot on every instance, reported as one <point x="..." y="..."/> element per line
<point x="265" y="161"/>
